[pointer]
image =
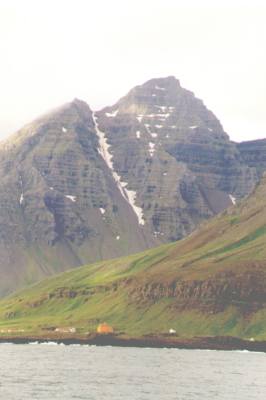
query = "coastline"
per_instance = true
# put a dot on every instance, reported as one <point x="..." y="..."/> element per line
<point x="226" y="343"/>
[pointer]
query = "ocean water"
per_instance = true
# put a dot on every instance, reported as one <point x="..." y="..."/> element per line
<point x="49" y="371"/>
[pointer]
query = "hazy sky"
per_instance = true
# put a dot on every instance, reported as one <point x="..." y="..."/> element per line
<point x="52" y="51"/>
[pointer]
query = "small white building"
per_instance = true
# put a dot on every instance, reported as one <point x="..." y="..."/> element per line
<point x="66" y="330"/>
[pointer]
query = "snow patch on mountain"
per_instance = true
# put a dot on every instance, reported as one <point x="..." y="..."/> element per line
<point x="232" y="198"/>
<point x="166" y="115"/>
<point x="159" y="88"/>
<point x="151" y="148"/>
<point x="70" y="197"/>
<point x="21" y="199"/>
<point x="129" y="195"/>
<point x="113" y="114"/>
<point x="162" y="108"/>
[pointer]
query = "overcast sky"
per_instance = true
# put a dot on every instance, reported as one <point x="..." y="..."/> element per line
<point x="53" y="51"/>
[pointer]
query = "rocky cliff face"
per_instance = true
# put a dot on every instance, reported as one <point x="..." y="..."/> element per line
<point x="253" y="153"/>
<point x="174" y="153"/>
<point x="79" y="186"/>
<point x="59" y="203"/>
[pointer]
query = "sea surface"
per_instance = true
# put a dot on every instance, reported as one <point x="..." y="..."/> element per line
<point x="50" y="371"/>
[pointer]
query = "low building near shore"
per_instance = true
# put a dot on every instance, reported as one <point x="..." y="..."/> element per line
<point x="66" y="329"/>
<point x="172" y="331"/>
<point x="105" y="328"/>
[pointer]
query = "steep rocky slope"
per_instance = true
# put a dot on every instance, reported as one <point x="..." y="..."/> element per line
<point x="253" y="152"/>
<point x="79" y="186"/>
<point x="211" y="283"/>
<point x="174" y="153"/>
<point x="59" y="204"/>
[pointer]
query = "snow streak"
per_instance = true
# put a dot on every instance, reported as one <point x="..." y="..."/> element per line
<point x="129" y="195"/>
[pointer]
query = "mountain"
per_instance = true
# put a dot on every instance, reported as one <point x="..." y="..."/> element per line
<point x="210" y="283"/>
<point x="59" y="204"/>
<point x="79" y="186"/>
<point x="253" y="153"/>
<point x="174" y="153"/>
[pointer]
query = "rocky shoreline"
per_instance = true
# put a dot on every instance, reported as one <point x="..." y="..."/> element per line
<point x="197" y="343"/>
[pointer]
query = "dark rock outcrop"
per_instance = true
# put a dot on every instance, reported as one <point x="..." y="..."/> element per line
<point x="253" y="153"/>
<point x="245" y="290"/>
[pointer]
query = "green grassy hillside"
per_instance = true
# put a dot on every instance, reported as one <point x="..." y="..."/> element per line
<point x="211" y="283"/>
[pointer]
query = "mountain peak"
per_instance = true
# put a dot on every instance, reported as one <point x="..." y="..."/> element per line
<point x="163" y="82"/>
<point x="162" y="102"/>
<point x="158" y="87"/>
<point x="74" y="106"/>
<point x="58" y="119"/>
<point x="79" y="103"/>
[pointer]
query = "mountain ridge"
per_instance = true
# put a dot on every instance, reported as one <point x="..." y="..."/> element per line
<point x="79" y="186"/>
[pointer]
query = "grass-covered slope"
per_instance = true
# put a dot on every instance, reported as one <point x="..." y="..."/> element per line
<point x="211" y="283"/>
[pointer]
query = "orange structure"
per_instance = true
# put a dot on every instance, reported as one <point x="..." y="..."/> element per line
<point x="104" y="328"/>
